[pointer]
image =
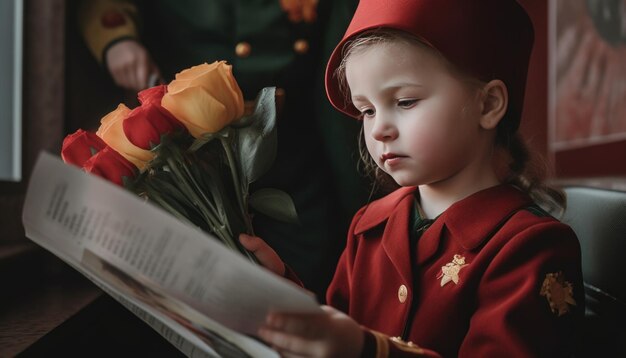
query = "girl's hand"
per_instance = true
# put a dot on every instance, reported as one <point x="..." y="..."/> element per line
<point x="331" y="334"/>
<point x="264" y="253"/>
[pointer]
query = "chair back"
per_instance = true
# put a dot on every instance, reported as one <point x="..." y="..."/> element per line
<point x="598" y="217"/>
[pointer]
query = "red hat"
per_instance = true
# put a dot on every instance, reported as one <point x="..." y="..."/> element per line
<point x="489" y="39"/>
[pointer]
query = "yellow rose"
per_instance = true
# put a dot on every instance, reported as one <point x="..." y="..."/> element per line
<point x="205" y="98"/>
<point x="111" y="131"/>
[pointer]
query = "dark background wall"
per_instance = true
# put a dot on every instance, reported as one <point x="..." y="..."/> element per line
<point x="65" y="89"/>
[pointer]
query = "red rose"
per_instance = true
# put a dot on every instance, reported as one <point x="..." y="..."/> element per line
<point x="79" y="146"/>
<point x="152" y="94"/>
<point x="145" y="125"/>
<point x="111" y="166"/>
<point x="112" y="133"/>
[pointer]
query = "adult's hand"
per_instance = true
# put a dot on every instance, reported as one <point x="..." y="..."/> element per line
<point x="130" y="65"/>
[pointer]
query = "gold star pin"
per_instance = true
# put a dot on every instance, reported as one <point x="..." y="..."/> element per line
<point x="558" y="292"/>
<point x="450" y="272"/>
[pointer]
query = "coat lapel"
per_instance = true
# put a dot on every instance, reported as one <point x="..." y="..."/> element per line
<point x="396" y="238"/>
<point x="428" y="244"/>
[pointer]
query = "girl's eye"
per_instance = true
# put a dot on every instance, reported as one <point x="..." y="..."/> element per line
<point x="368" y="112"/>
<point x="407" y="103"/>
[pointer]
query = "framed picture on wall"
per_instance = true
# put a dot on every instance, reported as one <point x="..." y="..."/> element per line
<point x="587" y="122"/>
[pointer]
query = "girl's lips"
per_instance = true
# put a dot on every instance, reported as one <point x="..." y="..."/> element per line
<point x="391" y="162"/>
<point x="390" y="158"/>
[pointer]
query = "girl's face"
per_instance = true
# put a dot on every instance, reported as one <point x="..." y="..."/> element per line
<point x="420" y="122"/>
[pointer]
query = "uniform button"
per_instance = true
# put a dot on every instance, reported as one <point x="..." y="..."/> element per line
<point x="301" y="46"/>
<point x="403" y="292"/>
<point x="243" y="49"/>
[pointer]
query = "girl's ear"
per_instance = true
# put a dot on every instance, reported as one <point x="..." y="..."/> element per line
<point x="495" y="99"/>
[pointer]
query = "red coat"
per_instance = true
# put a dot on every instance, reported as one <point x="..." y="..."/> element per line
<point x="518" y="289"/>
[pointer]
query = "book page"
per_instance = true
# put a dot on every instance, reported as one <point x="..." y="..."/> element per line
<point x="76" y="211"/>
<point x="191" y="332"/>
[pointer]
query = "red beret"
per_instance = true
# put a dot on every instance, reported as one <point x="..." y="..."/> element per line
<point x="489" y="39"/>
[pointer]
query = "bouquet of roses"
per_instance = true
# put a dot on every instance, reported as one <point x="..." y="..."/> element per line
<point x="190" y="149"/>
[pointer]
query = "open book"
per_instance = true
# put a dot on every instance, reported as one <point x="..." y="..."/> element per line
<point x="205" y="299"/>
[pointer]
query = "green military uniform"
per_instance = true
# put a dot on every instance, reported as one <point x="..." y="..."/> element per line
<point x="316" y="161"/>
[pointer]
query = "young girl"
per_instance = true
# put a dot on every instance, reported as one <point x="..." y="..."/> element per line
<point x="459" y="261"/>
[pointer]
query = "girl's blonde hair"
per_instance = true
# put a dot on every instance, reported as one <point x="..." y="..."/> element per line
<point x="522" y="168"/>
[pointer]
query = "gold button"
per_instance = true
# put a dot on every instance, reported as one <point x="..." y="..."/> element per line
<point x="243" y="49"/>
<point x="301" y="46"/>
<point x="403" y="292"/>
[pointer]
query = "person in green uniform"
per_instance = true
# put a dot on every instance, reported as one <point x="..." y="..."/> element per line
<point x="281" y="43"/>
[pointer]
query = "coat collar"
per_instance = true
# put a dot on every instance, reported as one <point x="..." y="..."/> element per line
<point x="476" y="218"/>
<point x="471" y="220"/>
<point x="380" y="210"/>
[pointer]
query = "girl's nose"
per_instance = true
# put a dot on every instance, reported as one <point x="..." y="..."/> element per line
<point x="384" y="130"/>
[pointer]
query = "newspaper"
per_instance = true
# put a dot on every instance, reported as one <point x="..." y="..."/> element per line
<point x="205" y="299"/>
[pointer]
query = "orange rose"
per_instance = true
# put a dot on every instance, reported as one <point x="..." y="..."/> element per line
<point x="205" y="98"/>
<point x="112" y="133"/>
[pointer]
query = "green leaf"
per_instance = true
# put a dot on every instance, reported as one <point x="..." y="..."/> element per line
<point x="274" y="203"/>
<point x="255" y="144"/>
